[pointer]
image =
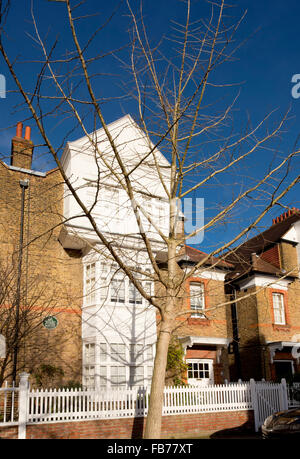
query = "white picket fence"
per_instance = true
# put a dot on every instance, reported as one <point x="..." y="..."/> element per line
<point x="43" y="406"/>
<point x="9" y="404"/>
<point x="294" y="395"/>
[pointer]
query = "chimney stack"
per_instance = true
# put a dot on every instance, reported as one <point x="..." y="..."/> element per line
<point x="285" y="215"/>
<point x="22" y="148"/>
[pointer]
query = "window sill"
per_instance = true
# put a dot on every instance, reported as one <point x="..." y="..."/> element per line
<point x="279" y="327"/>
<point x="198" y="321"/>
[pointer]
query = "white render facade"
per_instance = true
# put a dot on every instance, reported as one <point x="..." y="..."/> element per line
<point x="118" y="325"/>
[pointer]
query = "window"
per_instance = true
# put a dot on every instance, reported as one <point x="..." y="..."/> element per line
<point x="200" y="371"/>
<point x="103" y="352"/>
<point x="197" y="300"/>
<point x="134" y="295"/>
<point x="118" y="352"/>
<point x="89" y="377"/>
<point x="117" y="291"/>
<point x="278" y="308"/>
<point x="118" y="375"/>
<point x="118" y="369"/>
<point x="116" y="364"/>
<point x="89" y="365"/>
<point x="90" y="279"/>
<point x="136" y="376"/>
<point x="103" y="376"/>
<point x="136" y="353"/>
<point x="89" y="353"/>
<point x="104" y="281"/>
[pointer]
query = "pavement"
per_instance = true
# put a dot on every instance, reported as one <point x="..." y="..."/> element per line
<point x="237" y="433"/>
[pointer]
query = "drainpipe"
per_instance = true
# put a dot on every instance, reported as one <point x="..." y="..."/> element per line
<point x="24" y="186"/>
<point x="235" y="330"/>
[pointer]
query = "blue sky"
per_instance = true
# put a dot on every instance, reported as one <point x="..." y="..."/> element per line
<point x="262" y="73"/>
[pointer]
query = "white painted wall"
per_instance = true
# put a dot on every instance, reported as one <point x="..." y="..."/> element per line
<point x="113" y="210"/>
<point x="105" y="322"/>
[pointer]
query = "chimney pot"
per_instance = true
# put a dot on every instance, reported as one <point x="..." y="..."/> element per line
<point x="285" y="215"/>
<point x="27" y="132"/>
<point x="19" y="129"/>
<point x="22" y="148"/>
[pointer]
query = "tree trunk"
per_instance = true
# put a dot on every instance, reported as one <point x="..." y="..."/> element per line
<point x="154" y="418"/>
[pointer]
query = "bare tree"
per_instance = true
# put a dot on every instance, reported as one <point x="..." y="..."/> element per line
<point x="172" y="83"/>
<point x="26" y="336"/>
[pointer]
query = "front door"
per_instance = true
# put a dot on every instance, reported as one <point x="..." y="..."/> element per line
<point x="200" y="372"/>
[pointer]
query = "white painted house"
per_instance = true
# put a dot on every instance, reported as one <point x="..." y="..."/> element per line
<point x="118" y="326"/>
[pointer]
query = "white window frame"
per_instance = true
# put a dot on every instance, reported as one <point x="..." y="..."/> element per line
<point x="201" y="380"/>
<point x="130" y="365"/>
<point x="197" y="302"/>
<point x="90" y="281"/>
<point x="120" y="297"/>
<point x="134" y="296"/>
<point x="99" y="282"/>
<point x="279" y="308"/>
<point x="89" y="364"/>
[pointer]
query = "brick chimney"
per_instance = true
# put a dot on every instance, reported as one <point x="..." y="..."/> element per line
<point x="284" y="216"/>
<point x="21" y="148"/>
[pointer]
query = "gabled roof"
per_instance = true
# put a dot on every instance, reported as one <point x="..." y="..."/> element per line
<point x="192" y="256"/>
<point x="115" y="128"/>
<point x="265" y="239"/>
<point x="196" y="255"/>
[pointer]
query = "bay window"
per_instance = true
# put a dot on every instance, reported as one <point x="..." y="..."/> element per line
<point x="117" y="364"/>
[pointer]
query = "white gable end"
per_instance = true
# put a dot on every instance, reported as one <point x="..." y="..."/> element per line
<point x="291" y="235"/>
<point x="91" y="161"/>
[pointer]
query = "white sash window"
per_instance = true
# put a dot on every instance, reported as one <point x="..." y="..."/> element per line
<point x="197" y="300"/>
<point x="278" y="309"/>
<point x="90" y="284"/>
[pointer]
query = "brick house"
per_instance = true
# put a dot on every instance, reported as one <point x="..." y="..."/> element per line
<point x="265" y="289"/>
<point x="104" y="333"/>
<point x="202" y="322"/>
<point x="50" y="276"/>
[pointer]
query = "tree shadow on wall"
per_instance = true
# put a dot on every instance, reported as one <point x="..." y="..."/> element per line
<point x="140" y="414"/>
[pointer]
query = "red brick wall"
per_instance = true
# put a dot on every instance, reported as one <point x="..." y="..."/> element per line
<point x="271" y="256"/>
<point x="172" y="427"/>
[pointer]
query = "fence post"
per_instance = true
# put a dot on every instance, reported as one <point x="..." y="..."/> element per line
<point x="254" y="403"/>
<point x="23" y="405"/>
<point x="284" y="395"/>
